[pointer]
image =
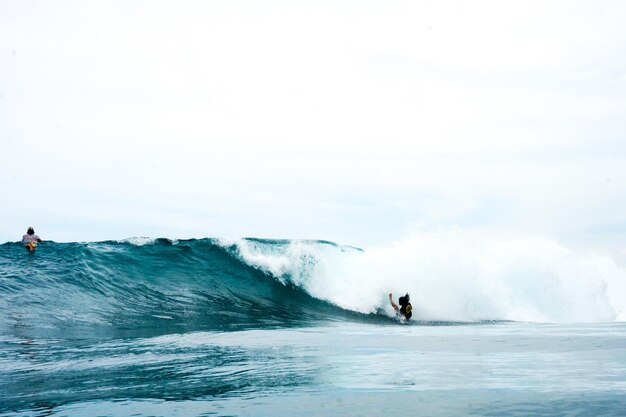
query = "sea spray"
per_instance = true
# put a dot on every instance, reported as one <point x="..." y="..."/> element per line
<point x="453" y="276"/>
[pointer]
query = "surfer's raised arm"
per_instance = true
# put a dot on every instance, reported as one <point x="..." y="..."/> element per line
<point x="394" y="305"/>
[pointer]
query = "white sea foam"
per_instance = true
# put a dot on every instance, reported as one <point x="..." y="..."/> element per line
<point x="452" y="275"/>
<point x="138" y="240"/>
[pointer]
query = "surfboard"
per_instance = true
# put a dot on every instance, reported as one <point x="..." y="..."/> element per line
<point x="31" y="246"/>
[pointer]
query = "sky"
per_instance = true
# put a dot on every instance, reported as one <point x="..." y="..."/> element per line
<point x="357" y="122"/>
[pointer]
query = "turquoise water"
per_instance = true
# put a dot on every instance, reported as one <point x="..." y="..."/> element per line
<point x="339" y="369"/>
<point x="190" y="328"/>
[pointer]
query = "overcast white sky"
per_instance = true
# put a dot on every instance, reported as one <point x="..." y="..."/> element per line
<point x="351" y="121"/>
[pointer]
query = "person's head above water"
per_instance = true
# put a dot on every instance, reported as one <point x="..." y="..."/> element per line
<point x="404" y="300"/>
<point x="30" y="231"/>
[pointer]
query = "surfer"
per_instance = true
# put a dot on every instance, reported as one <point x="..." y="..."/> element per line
<point x="31" y="239"/>
<point x="405" y="308"/>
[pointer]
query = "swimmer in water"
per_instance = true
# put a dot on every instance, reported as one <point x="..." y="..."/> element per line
<point x="31" y="239"/>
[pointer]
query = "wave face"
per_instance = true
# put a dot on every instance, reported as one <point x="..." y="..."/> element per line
<point x="143" y="287"/>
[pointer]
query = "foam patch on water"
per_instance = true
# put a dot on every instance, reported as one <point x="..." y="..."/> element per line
<point x="138" y="240"/>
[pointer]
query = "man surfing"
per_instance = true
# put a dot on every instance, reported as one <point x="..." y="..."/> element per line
<point x="405" y="309"/>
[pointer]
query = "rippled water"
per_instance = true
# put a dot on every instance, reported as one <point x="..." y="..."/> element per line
<point x="346" y="369"/>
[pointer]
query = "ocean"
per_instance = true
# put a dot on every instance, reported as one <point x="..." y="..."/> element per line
<point x="258" y="327"/>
